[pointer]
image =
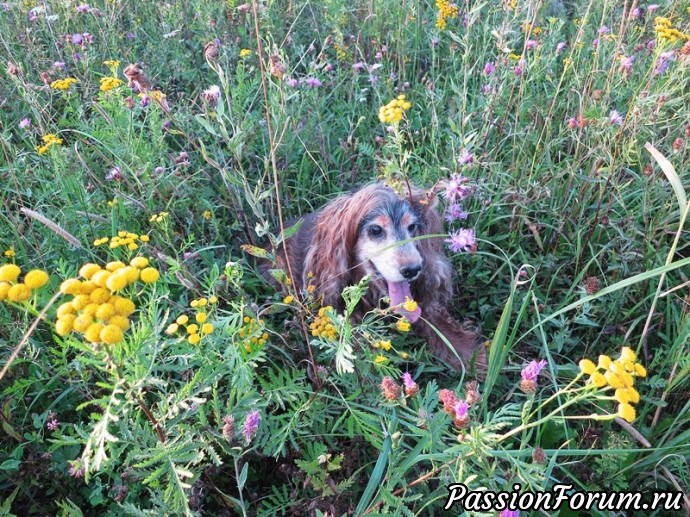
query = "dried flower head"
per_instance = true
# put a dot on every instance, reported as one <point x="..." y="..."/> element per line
<point x="390" y="389"/>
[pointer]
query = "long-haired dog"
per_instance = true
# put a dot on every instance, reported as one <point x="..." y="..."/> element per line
<point x="372" y="232"/>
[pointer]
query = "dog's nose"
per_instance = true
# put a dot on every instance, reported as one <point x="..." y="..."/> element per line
<point x="410" y="272"/>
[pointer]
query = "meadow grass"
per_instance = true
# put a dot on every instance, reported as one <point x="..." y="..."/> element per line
<point x="186" y="133"/>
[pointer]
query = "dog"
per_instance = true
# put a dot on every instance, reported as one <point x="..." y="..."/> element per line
<point x="373" y="231"/>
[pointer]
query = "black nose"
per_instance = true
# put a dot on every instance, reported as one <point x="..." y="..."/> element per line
<point x="410" y="272"/>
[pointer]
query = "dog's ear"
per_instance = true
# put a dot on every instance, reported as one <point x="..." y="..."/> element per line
<point x="330" y="259"/>
<point x="435" y="283"/>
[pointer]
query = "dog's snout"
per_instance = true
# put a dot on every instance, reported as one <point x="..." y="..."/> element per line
<point x="410" y="272"/>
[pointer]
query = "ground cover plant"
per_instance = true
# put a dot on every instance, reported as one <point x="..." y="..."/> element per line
<point x="150" y="153"/>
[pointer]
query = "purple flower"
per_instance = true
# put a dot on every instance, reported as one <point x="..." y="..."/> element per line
<point x="531" y="371"/>
<point x="59" y="64"/>
<point x="652" y="7"/>
<point x="76" y="56"/>
<point x="626" y="65"/>
<point x="604" y="30"/>
<point x="462" y="240"/>
<point x="359" y="66"/>
<point x="435" y="41"/>
<point x="88" y="37"/>
<point x="573" y="123"/>
<point x="145" y="100"/>
<point x="251" y="425"/>
<point x="411" y="387"/>
<point x="457" y="188"/>
<point x="159" y="170"/>
<point x="83" y="8"/>
<point x="489" y="68"/>
<point x="312" y="82"/>
<point x="595" y="43"/>
<point x="114" y="174"/>
<point x="76" y="39"/>
<point x="531" y="44"/>
<point x="509" y="513"/>
<point x="52" y="422"/>
<point x="465" y="157"/>
<point x="131" y="35"/>
<point x="519" y="69"/>
<point x="292" y="82"/>
<point x="460" y="409"/>
<point x="76" y="469"/>
<point x="561" y="47"/>
<point x="24" y="123"/>
<point x="328" y="68"/>
<point x="455" y="213"/>
<point x="662" y="63"/>
<point x="392" y="76"/>
<point x="373" y="79"/>
<point x="636" y="12"/>
<point x="31" y="15"/>
<point x="615" y="118"/>
<point x="486" y="89"/>
<point x="211" y="95"/>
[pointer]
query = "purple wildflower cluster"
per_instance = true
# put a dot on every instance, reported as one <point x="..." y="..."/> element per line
<point x="251" y="425"/>
<point x="458" y="189"/>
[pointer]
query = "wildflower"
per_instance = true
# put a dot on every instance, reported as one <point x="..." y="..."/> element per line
<point x="615" y="118"/>
<point x="207" y="328"/>
<point x="245" y="53"/>
<point x="411" y="387"/>
<point x="403" y="325"/>
<point x="9" y="273"/>
<point x="36" y="278"/>
<point x="63" y="84"/>
<point x="465" y="157"/>
<point x="323" y="326"/>
<point x="457" y="189"/>
<point x="384" y="345"/>
<point x="461" y="418"/>
<point x="519" y="68"/>
<point x="652" y="7"/>
<point x="312" y="82"/>
<point x="626" y="412"/>
<point x="211" y="95"/>
<point x="358" y="67"/>
<point x="172" y="329"/>
<point x="446" y="10"/>
<point x="111" y="334"/>
<point x="529" y="376"/>
<point x="228" y="427"/>
<point x="9" y="253"/>
<point x="410" y="305"/>
<point x="76" y="39"/>
<point x="462" y="240"/>
<point x="149" y="275"/>
<point x="251" y="425"/>
<point x="587" y="367"/>
<point x="24" y="123"/>
<point x="531" y="44"/>
<point x="449" y="400"/>
<point x="83" y="8"/>
<point x="380" y="359"/>
<point x="110" y="83"/>
<point x="489" y="68"/>
<point x="509" y="513"/>
<point x="390" y="389"/>
<point x="76" y="469"/>
<point x="292" y="82"/>
<point x="561" y="47"/>
<point x="393" y="112"/>
<point x="662" y="63"/>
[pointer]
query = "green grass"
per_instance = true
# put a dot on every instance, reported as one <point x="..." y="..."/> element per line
<point x="581" y="251"/>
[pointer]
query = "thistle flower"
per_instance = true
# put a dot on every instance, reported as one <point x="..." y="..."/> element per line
<point x="489" y="68"/>
<point x="461" y="418"/>
<point x="626" y="65"/>
<point x="457" y="189"/>
<point x="211" y="95"/>
<point x="411" y="387"/>
<point x="662" y="63"/>
<point x="455" y="212"/>
<point x="465" y="157"/>
<point x="390" y="389"/>
<point x="312" y="82"/>
<point x="449" y="399"/>
<point x="529" y="375"/>
<point x="251" y="425"/>
<point x="24" y="123"/>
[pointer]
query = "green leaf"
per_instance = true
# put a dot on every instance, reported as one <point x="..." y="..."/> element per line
<point x="671" y="175"/>
<point x="243" y="477"/>
<point x="376" y="476"/>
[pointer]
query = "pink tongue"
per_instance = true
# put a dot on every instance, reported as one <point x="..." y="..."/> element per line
<point x="398" y="291"/>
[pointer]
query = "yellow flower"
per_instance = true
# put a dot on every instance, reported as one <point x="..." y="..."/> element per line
<point x="172" y="328"/>
<point x="206" y="328"/>
<point x="19" y="293"/>
<point x="120" y="321"/>
<point x="213" y="299"/>
<point x="627" y="354"/>
<point x="598" y="380"/>
<point x="288" y="299"/>
<point x="193" y="328"/>
<point x="63" y="325"/>
<point x="410" y="305"/>
<point x="604" y="362"/>
<point x="587" y="367"/>
<point x="393" y="112"/>
<point x="149" y="275"/>
<point x="63" y="84"/>
<point x="182" y="319"/>
<point x="207" y="214"/>
<point x="640" y="370"/>
<point x="105" y="311"/>
<point x="82" y="322"/>
<point x="69" y="286"/>
<point x="385" y="345"/>
<point x="88" y="270"/>
<point x="93" y="333"/>
<point x="380" y="359"/>
<point x="245" y="52"/>
<point x="65" y="309"/>
<point x="114" y="266"/>
<point x="9" y="253"/>
<point x="123" y="306"/>
<point x="9" y="273"/>
<point x="201" y="317"/>
<point x="404" y="355"/>
<point x="626" y="412"/>
<point x="4" y="289"/>
<point x="110" y="83"/>
<point x="193" y="339"/>
<point x="403" y="325"/>
<point x="112" y="63"/>
<point x="111" y="334"/>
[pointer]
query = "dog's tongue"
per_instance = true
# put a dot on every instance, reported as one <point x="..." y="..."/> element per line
<point x="398" y="291"/>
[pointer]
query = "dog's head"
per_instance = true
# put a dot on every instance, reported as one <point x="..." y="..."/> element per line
<point x="374" y="231"/>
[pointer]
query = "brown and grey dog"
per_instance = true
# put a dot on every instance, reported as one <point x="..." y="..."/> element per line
<point x="372" y="232"/>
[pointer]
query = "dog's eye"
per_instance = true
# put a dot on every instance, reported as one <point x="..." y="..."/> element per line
<point x="412" y="228"/>
<point x="375" y="230"/>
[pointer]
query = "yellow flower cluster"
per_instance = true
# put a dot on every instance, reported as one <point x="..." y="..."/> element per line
<point x="383" y="345"/>
<point x="322" y="326"/>
<point x="665" y="30"/>
<point x="112" y="63"/>
<point x="158" y="218"/>
<point x="9" y="253"/>
<point x="110" y="83"/>
<point x="245" y="52"/>
<point x="95" y="311"/>
<point x="12" y="290"/>
<point x="620" y="375"/>
<point x="528" y="27"/>
<point x="252" y="334"/>
<point x="446" y="10"/>
<point x="200" y="329"/>
<point x="403" y="325"/>
<point x="341" y="52"/>
<point x="393" y="111"/>
<point x="48" y="141"/>
<point x="63" y="84"/>
<point x="122" y="238"/>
